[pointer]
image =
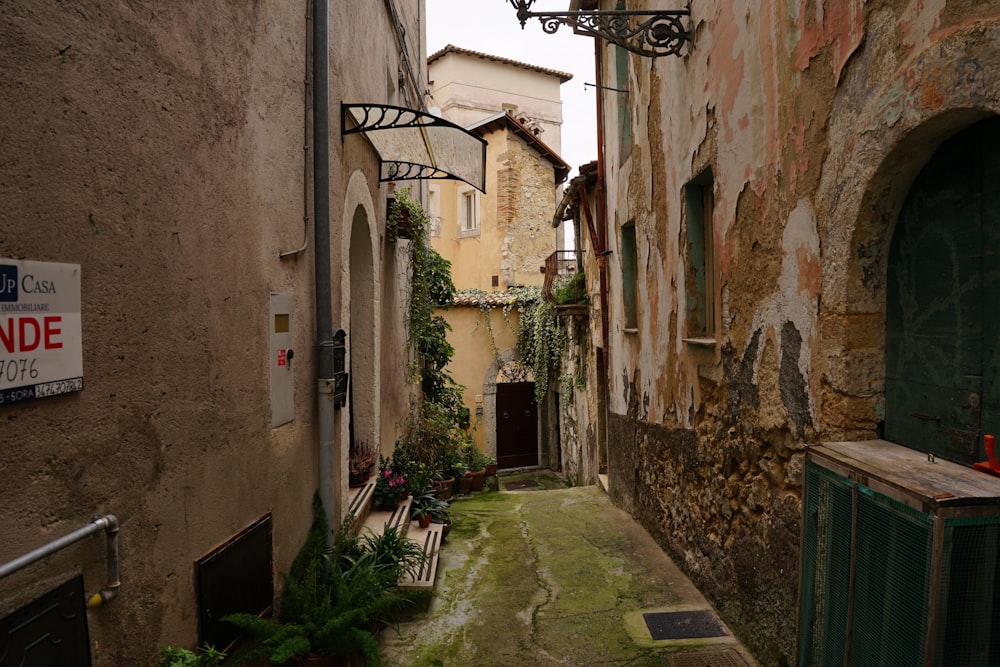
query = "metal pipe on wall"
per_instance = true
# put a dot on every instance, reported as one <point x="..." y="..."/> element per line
<point x="321" y="213"/>
<point x="109" y="524"/>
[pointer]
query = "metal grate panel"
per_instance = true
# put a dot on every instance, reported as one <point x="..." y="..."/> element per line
<point x="683" y="625"/>
<point x="970" y="632"/>
<point x="826" y="559"/>
<point x="727" y="658"/>
<point x="50" y="631"/>
<point x="891" y="582"/>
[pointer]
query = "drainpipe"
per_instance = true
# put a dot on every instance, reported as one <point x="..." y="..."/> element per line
<point x="602" y="200"/>
<point x="109" y="524"/>
<point x="321" y="213"/>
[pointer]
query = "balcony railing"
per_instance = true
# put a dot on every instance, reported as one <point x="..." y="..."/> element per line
<point x="561" y="267"/>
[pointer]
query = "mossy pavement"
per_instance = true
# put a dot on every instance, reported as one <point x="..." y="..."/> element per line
<point x="545" y="576"/>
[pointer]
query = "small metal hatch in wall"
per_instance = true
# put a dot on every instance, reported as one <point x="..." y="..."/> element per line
<point x="236" y="577"/>
<point x="51" y="630"/>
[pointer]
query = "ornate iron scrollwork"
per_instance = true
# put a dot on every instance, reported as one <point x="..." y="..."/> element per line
<point x="647" y="33"/>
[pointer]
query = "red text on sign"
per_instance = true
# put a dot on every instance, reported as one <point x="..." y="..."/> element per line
<point x="26" y="334"/>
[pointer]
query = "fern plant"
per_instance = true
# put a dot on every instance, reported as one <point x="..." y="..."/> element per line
<point x="331" y="600"/>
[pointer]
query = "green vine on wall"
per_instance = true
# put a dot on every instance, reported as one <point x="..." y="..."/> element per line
<point x="541" y="335"/>
<point x="431" y="287"/>
<point x="541" y="340"/>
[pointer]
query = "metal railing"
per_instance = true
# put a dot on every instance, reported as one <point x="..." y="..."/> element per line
<point x="109" y="524"/>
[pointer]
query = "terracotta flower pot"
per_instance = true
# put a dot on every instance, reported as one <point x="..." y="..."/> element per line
<point x="491" y="469"/>
<point x="424" y="520"/>
<point x="478" y="480"/>
<point x="465" y="484"/>
<point x="444" y="487"/>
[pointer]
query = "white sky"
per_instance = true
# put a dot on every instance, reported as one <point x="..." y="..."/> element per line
<point x="491" y="26"/>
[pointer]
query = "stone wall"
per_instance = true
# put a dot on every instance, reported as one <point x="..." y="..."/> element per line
<point x="814" y="122"/>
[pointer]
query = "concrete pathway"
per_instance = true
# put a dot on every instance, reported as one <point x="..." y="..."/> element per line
<point x="552" y="576"/>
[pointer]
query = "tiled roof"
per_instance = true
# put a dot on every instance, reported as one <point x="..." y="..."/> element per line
<point x="478" y="298"/>
<point x="563" y="76"/>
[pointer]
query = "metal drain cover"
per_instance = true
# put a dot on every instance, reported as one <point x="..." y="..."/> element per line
<point x="520" y="484"/>
<point x="727" y="658"/>
<point x="683" y="625"/>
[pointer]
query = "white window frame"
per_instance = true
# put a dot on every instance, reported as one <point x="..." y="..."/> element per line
<point x="468" y="213"/>
<point x="434" y="211"/>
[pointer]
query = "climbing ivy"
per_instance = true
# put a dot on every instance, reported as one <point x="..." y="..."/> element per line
<point x="541" y="335"/>
<point x="431" y="287"/>
<point x="541" y="340"/>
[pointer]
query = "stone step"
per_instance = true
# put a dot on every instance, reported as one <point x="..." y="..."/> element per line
<point x="376" y="520"/>
<point x="360" y="504"/>
<point x="430" y="540"/>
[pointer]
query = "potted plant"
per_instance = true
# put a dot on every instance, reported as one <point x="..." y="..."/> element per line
<point x="439" y="514"/>
<point x="426" y="506"/>
<point x="476" y="461"/>
<point x="361" y="458"/>
<point x="491" y="465"/>
<point x="421" y="515"/>
<point x="390" y="487"/>
<point x="443" y="486"/>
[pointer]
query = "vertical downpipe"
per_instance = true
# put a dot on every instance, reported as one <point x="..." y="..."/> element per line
<point x="321" y="212"/>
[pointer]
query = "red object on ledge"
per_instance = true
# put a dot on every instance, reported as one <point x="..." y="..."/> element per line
<point x="990" y="465"/>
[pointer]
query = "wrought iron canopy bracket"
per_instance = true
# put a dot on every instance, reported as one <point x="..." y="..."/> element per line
<point x="651" y="33"/>
<point x="414" y="144"/>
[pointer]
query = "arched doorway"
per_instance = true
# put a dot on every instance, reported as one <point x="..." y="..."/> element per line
<point x="942" y="385"/>
<point x="362" y="335"/>
<point x="511" y="414"/>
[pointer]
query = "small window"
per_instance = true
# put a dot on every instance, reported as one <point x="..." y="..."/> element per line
<point x="629" y="276"/>
<point x="468" y="214"/>
<point x="700" y="265"/>
<point x="622" y="100"/>
<point x="434" y="212"/>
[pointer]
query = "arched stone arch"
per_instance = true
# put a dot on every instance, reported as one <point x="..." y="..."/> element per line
<point x="880" y="141"/>
<point x="361" y="289"/>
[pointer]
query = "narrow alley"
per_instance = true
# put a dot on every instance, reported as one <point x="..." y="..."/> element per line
<point x="541" y="574"/>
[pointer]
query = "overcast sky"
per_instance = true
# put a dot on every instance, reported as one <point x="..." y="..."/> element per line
<point x="491" y="26"/>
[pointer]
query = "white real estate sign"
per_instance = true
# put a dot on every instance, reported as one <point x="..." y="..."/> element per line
<point x="41" y="349"/>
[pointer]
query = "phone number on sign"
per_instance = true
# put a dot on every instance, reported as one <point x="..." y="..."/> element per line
<point x="16" y="394"/>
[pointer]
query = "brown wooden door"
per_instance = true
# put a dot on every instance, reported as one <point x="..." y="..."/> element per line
<point x="517" y="425"/>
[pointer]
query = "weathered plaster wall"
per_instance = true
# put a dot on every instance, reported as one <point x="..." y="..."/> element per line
<point x="160" y="147"/>
<point x="469" y="89"/>
<point x="814" y="119"/>
<point x="479" y="338"/>
<point x="515" y="214"/>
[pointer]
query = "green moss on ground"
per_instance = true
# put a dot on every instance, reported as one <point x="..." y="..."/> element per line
<point x="536" y="578"/>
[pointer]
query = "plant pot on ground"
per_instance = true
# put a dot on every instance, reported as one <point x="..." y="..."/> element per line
<point x="478" y="480"/>
<point x="440" y="515"/>
<point x="391" y="487"/>
<point x="361" y="458"/>
<point x="444" y="488"/>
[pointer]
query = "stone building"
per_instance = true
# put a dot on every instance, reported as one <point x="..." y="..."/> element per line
<point x="500" y="238"/>
<point x="188" y="265"/>
<point x="796" y="216"/>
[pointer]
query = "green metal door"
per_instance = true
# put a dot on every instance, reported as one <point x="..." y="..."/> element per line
<point x="942" y="376"/>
